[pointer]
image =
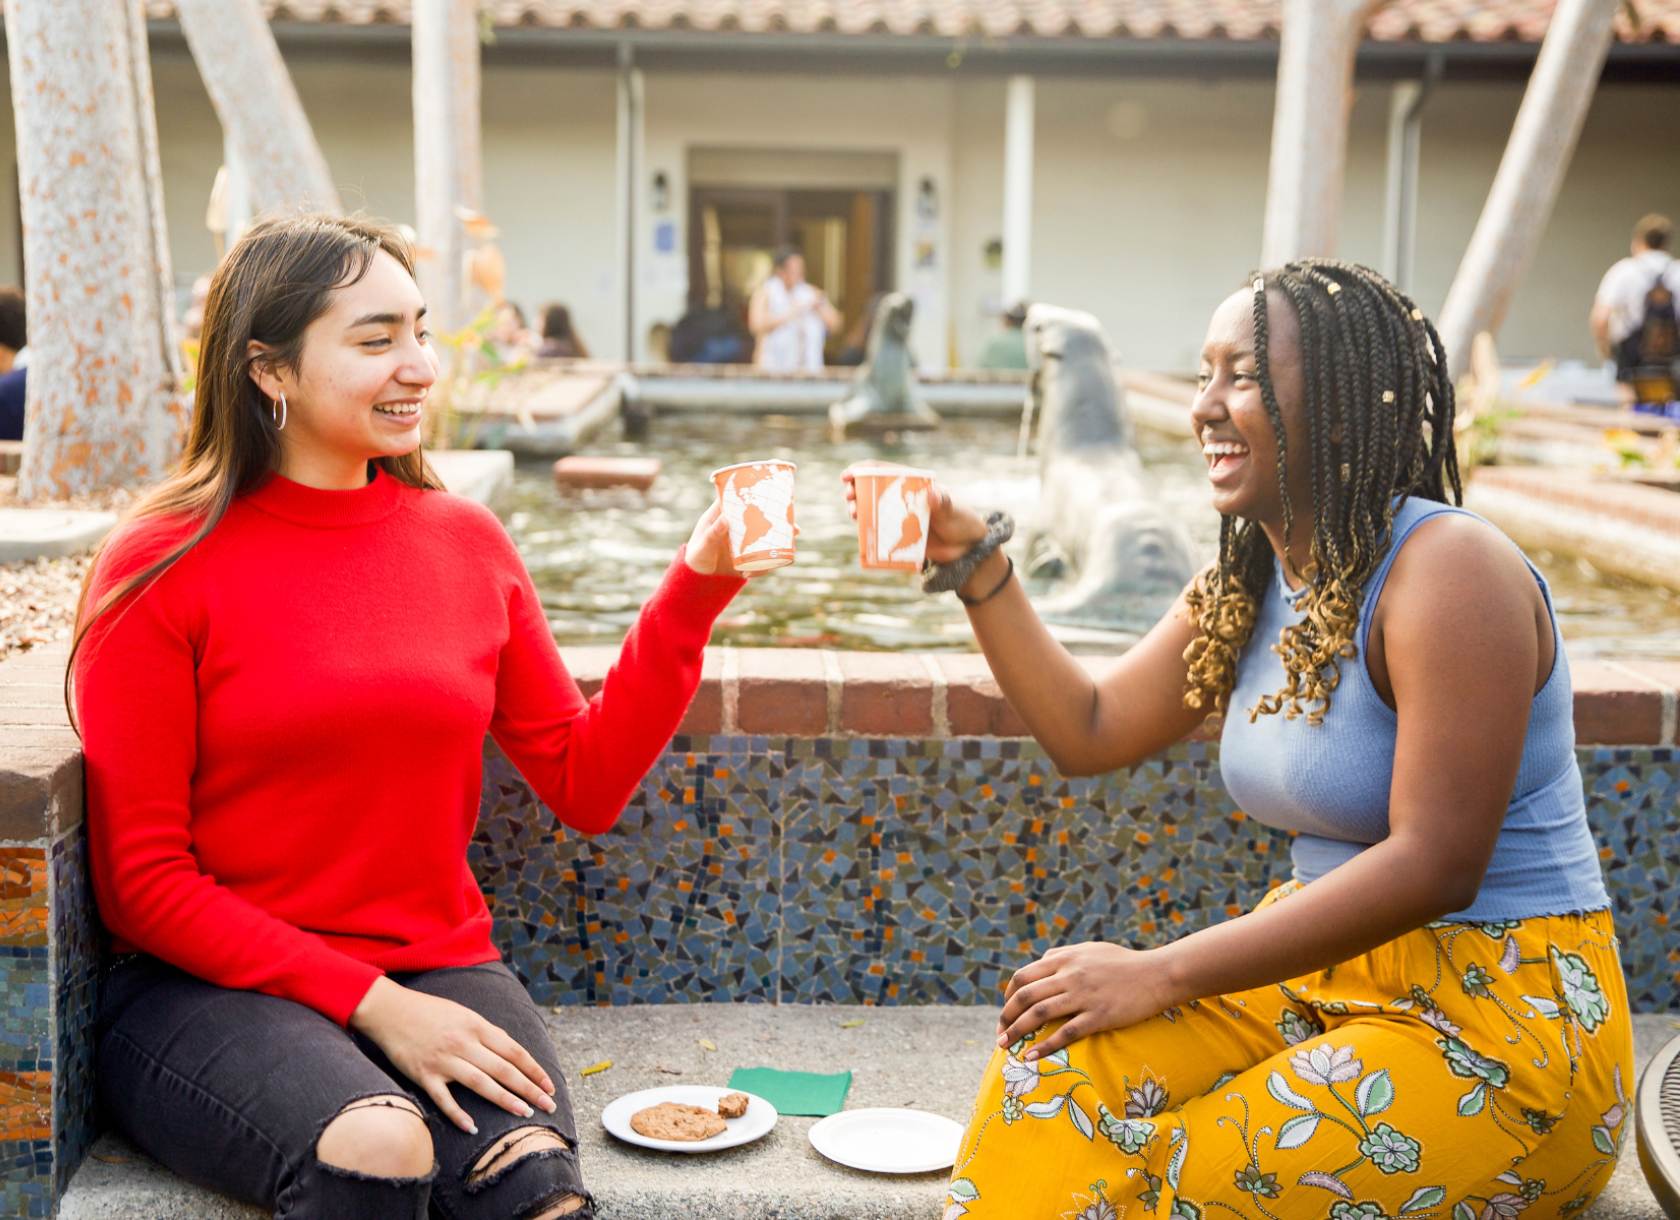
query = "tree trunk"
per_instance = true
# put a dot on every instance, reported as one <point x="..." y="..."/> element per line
<point x="1309" y="126"/>
<point x="104" y="407"/>
<point x="446" y="142"/>
<point x="1542" y="140"/>
<point x="259" y="109"/>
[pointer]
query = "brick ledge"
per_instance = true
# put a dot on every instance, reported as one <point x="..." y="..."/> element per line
<point x="803" y="692"/>
<point x="787" y="692"/>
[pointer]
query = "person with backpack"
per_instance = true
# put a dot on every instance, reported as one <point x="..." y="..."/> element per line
<point x="1636" y="319"/>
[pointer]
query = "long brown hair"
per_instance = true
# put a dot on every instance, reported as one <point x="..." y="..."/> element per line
<point x="278" y="278"/>
<point x="1379" y="408"/>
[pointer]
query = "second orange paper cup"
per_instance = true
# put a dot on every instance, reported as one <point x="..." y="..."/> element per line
<point x="893" y="503"/>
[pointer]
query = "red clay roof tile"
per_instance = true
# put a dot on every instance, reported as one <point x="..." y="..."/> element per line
<point x="1231" y="20"/>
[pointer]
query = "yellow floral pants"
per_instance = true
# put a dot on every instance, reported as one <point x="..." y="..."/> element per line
<point x="1462" y="1071"/>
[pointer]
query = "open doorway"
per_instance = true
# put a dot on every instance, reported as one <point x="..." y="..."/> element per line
<point x="844" y="234"/>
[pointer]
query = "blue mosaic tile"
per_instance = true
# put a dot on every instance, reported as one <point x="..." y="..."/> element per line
<point x="26" y="1018"/>
<point x="866" y="879"/>
<point x="677" y="902"/>
<point x="26" y="1179"/>
<point x="1633" y="801"/>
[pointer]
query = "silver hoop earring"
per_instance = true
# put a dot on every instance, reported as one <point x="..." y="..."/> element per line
<point x="278" y="411"/>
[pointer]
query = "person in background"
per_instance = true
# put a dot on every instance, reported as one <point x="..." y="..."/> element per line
<point x="790" y="318"/>
<point x="711" y="335"/>
<point x="510" y="332"/>
<point x="559" y="339"/>
<point x="14" y="373"/>
<point x="1635" y="320"/>
<point x="1008" y="348"/>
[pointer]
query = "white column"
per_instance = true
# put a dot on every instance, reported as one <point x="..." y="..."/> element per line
<point x="628" y="128"/>
<point x="1017" y="189"/>
<point x="446" y="149"/>
<point x="1400" y="204"/>
<point x="103" y="407"/>
<point x="1530" y="174"/>
<point x="262" y="120"/>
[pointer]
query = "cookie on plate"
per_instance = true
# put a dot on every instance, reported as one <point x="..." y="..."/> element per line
<point x="671" y="1120"/>
<point x="732" y="1105"/>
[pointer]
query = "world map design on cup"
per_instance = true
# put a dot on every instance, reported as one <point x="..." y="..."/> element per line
<point x="757" y="503"/>
<point x="893" y="505"/>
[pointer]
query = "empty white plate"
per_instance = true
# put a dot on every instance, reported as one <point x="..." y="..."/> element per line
<point x="888" y="1140"/>
<point x="754" y="1124"/>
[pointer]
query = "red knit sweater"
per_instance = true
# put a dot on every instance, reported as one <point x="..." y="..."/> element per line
<point x="284" y="732"/>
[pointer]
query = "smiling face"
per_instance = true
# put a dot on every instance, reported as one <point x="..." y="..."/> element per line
<point x="1230" y="419"/>
<point x="360" y="382"/>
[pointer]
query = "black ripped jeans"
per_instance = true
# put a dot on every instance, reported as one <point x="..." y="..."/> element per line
<point x="231" y="1089"/>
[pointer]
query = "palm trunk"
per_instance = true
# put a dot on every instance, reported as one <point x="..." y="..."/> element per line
<point x="1530" y="174"/>
<point x="104" y="407"/>
<point x="257" y="105"/>
<point x="1309" y="126"/>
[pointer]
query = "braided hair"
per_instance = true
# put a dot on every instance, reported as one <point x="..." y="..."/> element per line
<point x="1379" y="411"/>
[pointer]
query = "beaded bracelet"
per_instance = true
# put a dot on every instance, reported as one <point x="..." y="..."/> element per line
<point x="949" y="577"/>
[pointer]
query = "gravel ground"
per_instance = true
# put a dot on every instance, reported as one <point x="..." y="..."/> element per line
<point x="38" y="598"/>
<point x="38" y="601"/>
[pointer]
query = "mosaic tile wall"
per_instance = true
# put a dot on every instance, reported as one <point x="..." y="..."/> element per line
<point x="26" y="1050"/>
<point x="78" y="950"/>
<point x="50" y="953"/>
<point x="879" y="871"/>
<point x="924" y="871"/>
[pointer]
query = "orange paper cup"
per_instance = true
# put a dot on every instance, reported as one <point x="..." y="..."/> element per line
<point x="757" y="499"/>
<point x="893" y="503"/>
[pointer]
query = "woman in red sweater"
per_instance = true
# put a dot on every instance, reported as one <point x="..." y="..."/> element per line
<point x="286" y="663"/>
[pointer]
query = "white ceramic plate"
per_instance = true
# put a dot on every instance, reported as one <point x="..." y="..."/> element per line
<point x="754" y="1124"/>
<point x="888" y="1140"/>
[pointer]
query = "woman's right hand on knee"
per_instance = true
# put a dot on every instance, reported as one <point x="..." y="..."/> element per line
<point x="436" y="1042"/>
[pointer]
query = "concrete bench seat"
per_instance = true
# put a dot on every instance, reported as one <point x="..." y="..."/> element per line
<point x="925" y="1057"/>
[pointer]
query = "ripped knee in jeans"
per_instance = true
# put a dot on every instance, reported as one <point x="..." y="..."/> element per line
<point x="514" y="1163"/>
<point x="381" y="1137"/>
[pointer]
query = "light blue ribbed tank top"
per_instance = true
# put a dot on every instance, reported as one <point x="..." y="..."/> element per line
<point x="1330" y="783"/>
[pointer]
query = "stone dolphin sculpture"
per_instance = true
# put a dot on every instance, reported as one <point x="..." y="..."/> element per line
<point x="1098" y="519"/>
<point x="884" y="397"/>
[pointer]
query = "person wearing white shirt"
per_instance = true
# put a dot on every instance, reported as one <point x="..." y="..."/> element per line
<point x="1619" y="308"/>
<point x="790" y="318"/>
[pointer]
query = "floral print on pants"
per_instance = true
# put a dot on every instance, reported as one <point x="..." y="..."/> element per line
<point x="1462" y="1071"/>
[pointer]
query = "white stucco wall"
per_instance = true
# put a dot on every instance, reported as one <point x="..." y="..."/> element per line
<point x="1149" y="196"/>
<point x="548" y="169"/>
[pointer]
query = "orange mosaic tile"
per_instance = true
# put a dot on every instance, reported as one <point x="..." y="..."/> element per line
<point x="23" y="896"/>
<point x="25" y="1106"/>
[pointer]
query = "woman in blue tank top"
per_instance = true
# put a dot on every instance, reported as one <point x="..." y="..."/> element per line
<point x="1430" y="1019"/>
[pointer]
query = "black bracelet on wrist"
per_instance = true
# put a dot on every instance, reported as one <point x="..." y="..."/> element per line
<point x="972" y="602"/>
<point x="949" y="577"/>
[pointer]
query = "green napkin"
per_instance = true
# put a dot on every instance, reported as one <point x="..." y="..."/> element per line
<point x="807" y="1093"/>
